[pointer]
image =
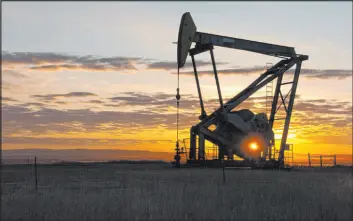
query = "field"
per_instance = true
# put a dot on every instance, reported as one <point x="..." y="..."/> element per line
<point x="158" y="192"/>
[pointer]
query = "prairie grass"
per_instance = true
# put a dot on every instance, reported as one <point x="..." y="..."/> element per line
<point x="155" y="192"/>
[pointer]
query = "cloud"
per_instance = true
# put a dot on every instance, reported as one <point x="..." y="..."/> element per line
<point x="329" y="107"/>
<point x="37" y="104"/>
<point x="8" y="99"/>
<point x="154" y="102"/>
<point x="77" y="141"/>
<point x="112" y="105"/>
<point x="95" y="102"/>
<point x="7" y="86"/>
<point x="32" y="58"/>
<point x="61" y="102"/>
<point x="339" y="76"/>
<point x="162" y="102"/>
<point x="11" y="73"/>
<point x="320" y="101"/>
<point x="154" y="112"/>
<point x="326" y="71"/>
<point x="313" y="117"/>
<point x="309" y="73"/>
<point x="50" y="97"/>
<point x="83" y="67"/>
<point x="20" y="118"/>
<point x="56" y="61"/>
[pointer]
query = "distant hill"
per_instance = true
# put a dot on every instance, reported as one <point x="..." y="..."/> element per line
<point x="25" y="156"/>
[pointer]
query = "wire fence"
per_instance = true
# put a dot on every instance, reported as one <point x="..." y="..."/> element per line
<point x="28" y="160"/>
<point x="211" y="154"/>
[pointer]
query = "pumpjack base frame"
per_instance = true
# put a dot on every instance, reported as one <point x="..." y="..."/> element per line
<point x="231" y="163"/>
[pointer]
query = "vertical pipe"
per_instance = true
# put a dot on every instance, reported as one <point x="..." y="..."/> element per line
<point x="216" y="77"/>
<point x="292" y="155"/>
<point x="289" y="111"/>
<point x="220" y="152"/>
<point x="215" y="155"/>
<point x="203" y="113"/>
<point x="270" y="150"/>
<point x="274" y="149"/>
<point x="192" y="155"/>
<point x="201" y="146"/>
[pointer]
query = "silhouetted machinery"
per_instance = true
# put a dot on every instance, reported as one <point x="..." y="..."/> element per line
<point x="241" y="133"/>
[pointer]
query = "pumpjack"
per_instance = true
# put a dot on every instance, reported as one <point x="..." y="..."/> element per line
<point x="243" y="133"/>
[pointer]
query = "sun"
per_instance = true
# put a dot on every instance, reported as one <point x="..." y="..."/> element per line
<point x="253" y="146"/>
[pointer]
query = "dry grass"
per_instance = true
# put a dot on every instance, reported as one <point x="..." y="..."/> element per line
<point x="148" y="192"/>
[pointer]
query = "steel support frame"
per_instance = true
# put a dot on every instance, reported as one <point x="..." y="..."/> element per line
<point x="288" y="109"/>
<point x="271" y="74"/>
<point x="200" y="48"/>
<point x="262" y="80"/>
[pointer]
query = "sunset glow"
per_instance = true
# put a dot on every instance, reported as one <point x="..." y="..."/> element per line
<point x="253" y="146"/>
<point x="109" y="81"/>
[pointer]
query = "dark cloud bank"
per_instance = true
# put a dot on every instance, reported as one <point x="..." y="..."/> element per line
<point x="55" y="61"/>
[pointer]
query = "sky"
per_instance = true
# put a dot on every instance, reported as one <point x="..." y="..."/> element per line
<point x="101" y="75"/>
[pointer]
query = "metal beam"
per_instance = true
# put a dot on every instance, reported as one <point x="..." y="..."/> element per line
<point x="275" y="101"/>
<point x="283" y="101"/>
<point x="216" y="78"/>
<point x="260" y="85"/>
<point x="289" y="111"/>
<point x="246" y="45"/>
<point x="203" y="112"/>
<point x="281" y="105"/>
<point x="213" y="136"/>
<point x="210" y="119"/>
<point x="200" y="48"/>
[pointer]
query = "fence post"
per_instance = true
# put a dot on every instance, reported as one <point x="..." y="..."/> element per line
<point x="35" y="173"/>
<point x="334" y="160"/>
<point x="321" y="161"/>
<point x="309" y="160"/>
<point x="224" y="175"/>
